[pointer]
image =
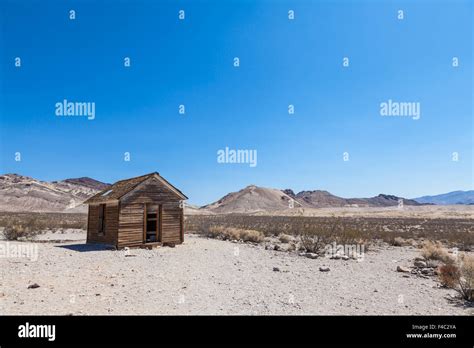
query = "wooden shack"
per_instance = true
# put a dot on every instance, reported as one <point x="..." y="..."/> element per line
<point x="141" y="211"/>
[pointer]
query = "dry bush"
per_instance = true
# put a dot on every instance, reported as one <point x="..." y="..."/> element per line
<point x="314" y="242"/>
<point x="466" y="280"/>
<point x="397" y="241"/>
<point x="348" y="236"/>
<point x="44" y="221"/>
<point x="232" y="233"/>
<point x="251" y="236"/>
<point x="391" y="238"/>
<point x="455" y="232"/>
<point x="214" y="231"/>
<point x="449" y="275"/>
<point x="434" y="251"/>
<point x="284" y="238"/>
<point x="412" y="242"/>
<point x="350" y="230"/>
<point x="465" y="241"/>
<point x="15" y="230"/>
<point x="459" y="275"/>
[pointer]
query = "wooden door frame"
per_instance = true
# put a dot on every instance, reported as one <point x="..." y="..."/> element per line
<point x="101" y="230"/>
<point x="181" y="225"/>
<point x="144" y="223"/>
<point x="159" y="223"/>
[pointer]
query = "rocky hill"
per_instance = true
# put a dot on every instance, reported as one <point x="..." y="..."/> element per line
<point x="22" y="193"/>
<point x="257" y="199"/>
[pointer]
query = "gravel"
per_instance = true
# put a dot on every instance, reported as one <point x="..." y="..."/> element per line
<point x="207" y="276"/>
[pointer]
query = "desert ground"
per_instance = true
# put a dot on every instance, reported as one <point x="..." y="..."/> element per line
<point x="424" y="211"/>
<point x="237" y="264"/>
<point x="211" y="276"/>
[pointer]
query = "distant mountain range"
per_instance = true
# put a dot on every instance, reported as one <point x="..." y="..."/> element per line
<point x="259" y="199"/>
<point x="21" y="193"/>
<point x="455" y="197"/>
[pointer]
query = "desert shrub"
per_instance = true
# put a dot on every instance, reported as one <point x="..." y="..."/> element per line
<point x="213" y="231"/>
<point x="449" y="275"/>
<point x="459" y="275"/>
<point x="350" y="230"/>
<point x="397" y="241"/>
<point x="251" y="236"/>
<point x="43" y="221"/>
<point x="13" y="232"/>
<point x="456" y="232"/>
<point x="392" y="238"/>
<point x="232" y="233"/>
<point x="16" y="230"/>
<point x="412" y="242"/>
<point x="465" y="241"/>
<point x="314" y="242"/>
<point x="284" y="238"/>
<point x="345" y="235"/>
<point x="435" y="252"/>
<point x="466" y="280"/>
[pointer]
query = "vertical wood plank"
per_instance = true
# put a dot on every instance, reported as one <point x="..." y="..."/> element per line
<point x="88" y="223"/>
<point x="144" y="223"/>
<point x="181" y="225"/>
<point x="160" y="222"/>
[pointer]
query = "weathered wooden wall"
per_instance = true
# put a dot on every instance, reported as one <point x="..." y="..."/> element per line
<point x="131" y="224"/>
<point x="111" y="224"/>
<point x="150" y="191"/>
<point x="132" y="214"/>
<point x="172" y="223"/>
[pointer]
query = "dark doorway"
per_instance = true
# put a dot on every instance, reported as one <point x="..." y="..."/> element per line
<point x="152" y="212"/>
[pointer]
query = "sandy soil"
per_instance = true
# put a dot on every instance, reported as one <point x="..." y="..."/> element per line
<point x="206" y="276"/>
<point x="67" y="235"/>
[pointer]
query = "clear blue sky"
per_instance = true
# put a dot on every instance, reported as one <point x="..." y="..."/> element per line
<point x="283" y="62"/>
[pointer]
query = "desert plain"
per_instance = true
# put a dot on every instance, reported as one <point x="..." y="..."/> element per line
<point x="220" y="275"/>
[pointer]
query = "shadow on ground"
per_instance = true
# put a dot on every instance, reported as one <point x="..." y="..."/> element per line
<point x="86" y="247"/>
